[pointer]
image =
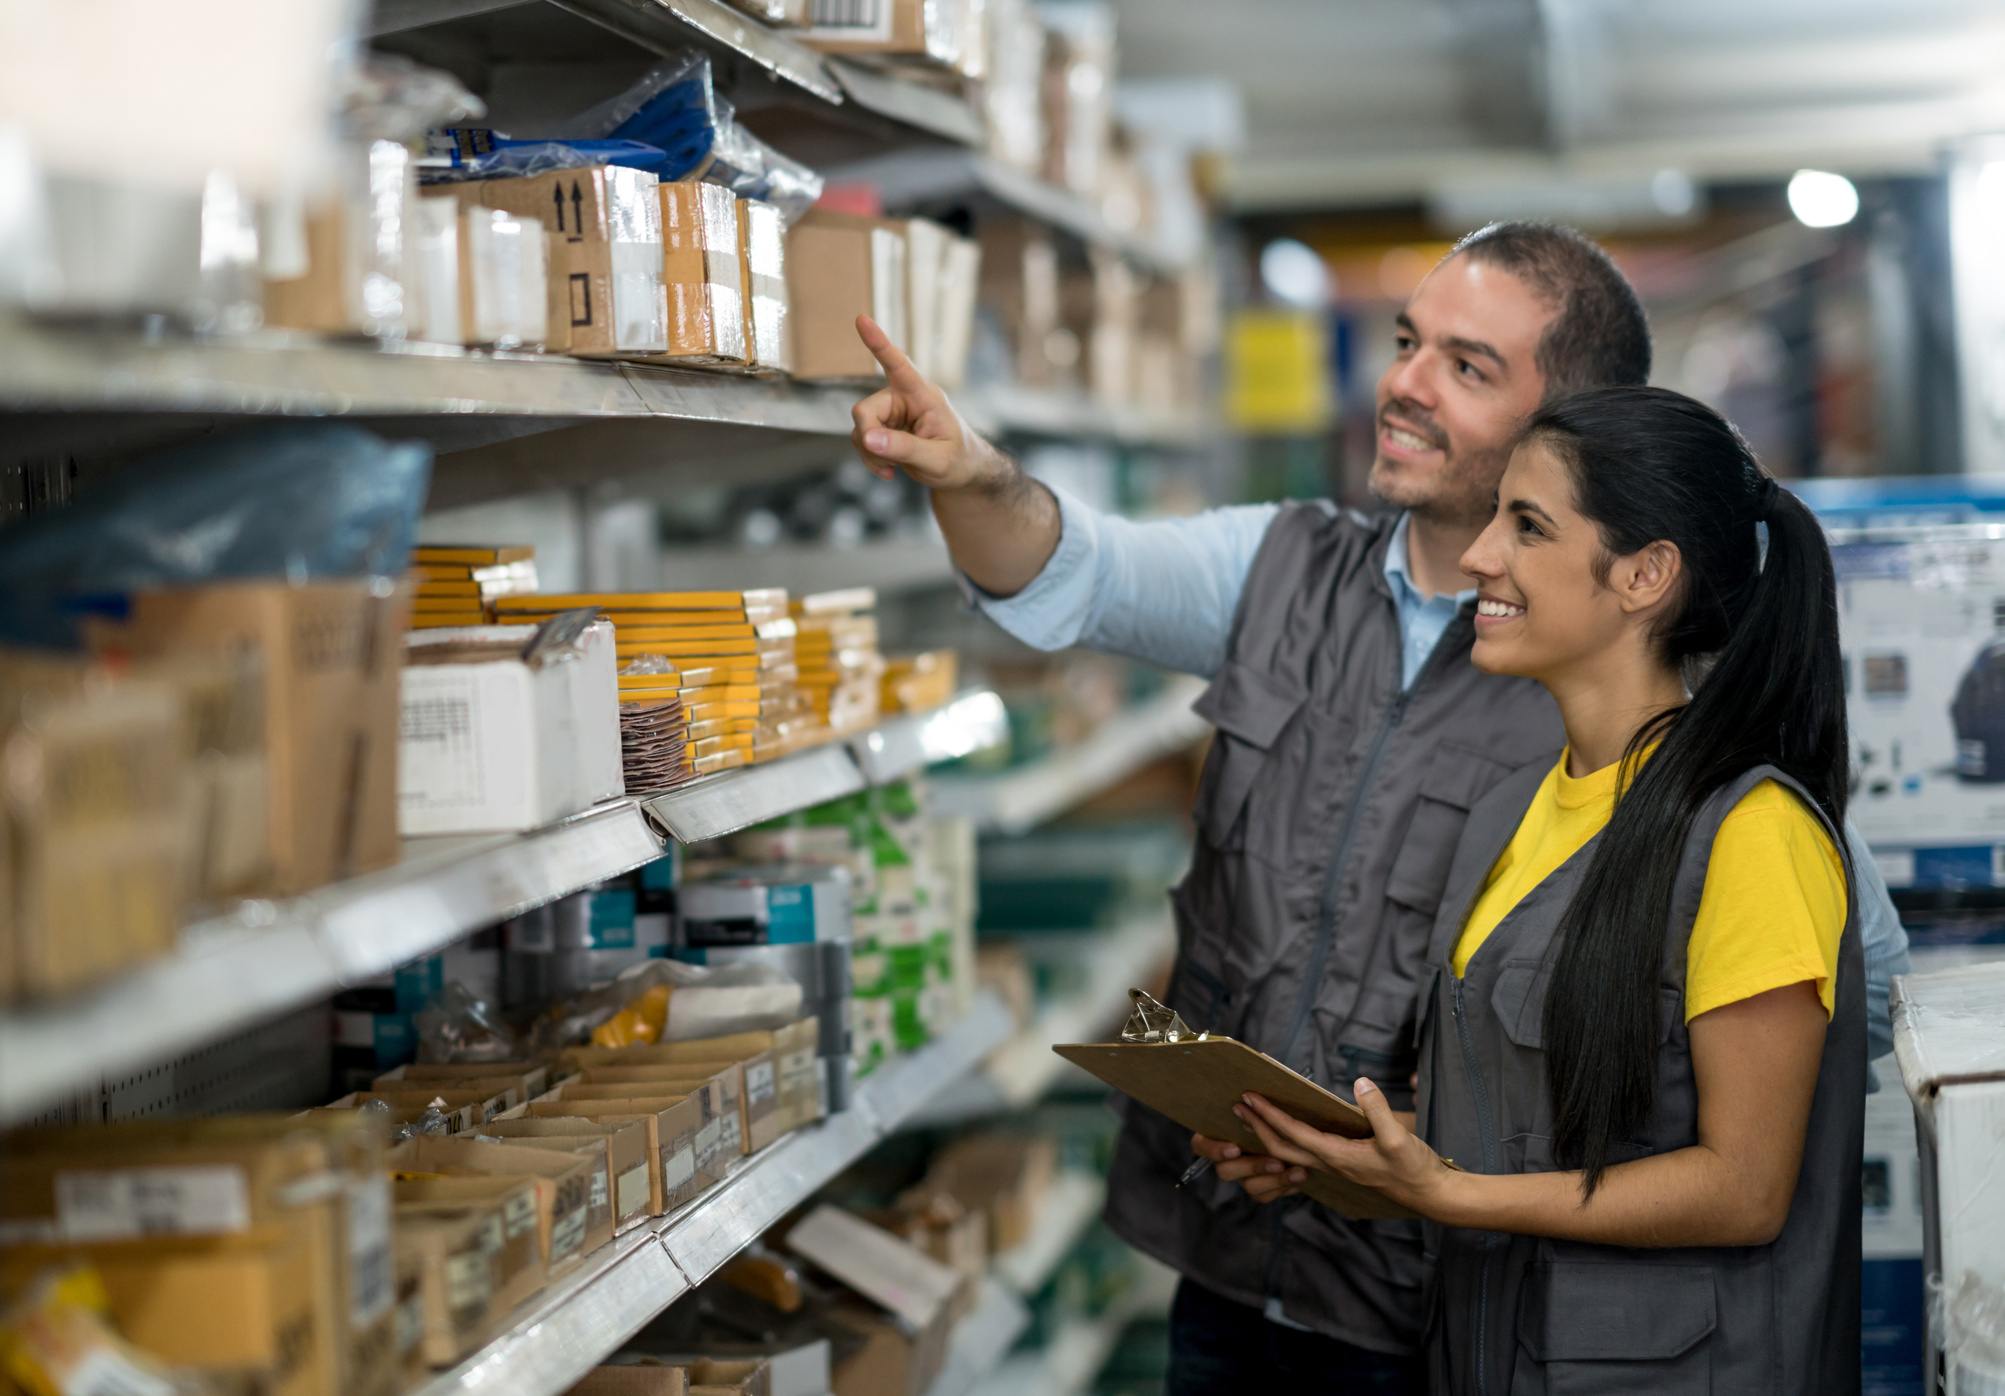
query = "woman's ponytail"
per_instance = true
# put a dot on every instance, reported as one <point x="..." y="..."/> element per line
<point x="1758" y="638"/>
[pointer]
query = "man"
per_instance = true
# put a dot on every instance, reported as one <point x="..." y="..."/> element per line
<point x="1353" y="737"/>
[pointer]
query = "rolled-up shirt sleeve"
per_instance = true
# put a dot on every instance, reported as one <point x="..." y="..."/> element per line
<point x="1162" y="591"/>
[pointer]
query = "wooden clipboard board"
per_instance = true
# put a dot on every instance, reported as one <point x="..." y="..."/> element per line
<point x="1196" y="1082"/>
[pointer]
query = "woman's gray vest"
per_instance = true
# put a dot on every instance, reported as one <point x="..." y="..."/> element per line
<point x="1327" y="815"/>
<point x="1528" y="1315"/>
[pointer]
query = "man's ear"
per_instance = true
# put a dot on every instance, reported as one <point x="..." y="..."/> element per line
<point x="1646" y="578"/>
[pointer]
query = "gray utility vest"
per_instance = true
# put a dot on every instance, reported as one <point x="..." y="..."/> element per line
<point x="1526" y="1315"/>
<point x="1328" y="812"/>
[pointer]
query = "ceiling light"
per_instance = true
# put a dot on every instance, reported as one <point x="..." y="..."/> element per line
<point x="1294" y="274"/>
<point x="1820" y="199"/>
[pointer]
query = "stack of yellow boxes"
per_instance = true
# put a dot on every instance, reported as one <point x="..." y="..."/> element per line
<point x="916" y="683"/>
<point x="457" y="581"/>
<point x="730" y="655"/>
<point x="837" y="649"/>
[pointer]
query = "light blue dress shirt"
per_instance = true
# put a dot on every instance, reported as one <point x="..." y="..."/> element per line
<point x="1164" y="592"/>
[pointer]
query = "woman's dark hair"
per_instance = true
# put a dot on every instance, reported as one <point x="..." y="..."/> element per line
<point x="1648" y="464"/>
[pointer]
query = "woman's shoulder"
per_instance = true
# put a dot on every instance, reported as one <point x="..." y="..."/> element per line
<point x="1774" y="814"/>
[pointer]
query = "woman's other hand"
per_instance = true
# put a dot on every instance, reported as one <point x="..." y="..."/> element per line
<point x="1263" y="1178"/>
<point x="1394" y="1160"/>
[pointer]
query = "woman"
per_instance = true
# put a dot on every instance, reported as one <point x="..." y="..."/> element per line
<point x="1644" y="1044"/>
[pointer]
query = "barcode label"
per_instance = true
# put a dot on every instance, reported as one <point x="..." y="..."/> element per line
<point x="116" y="1206"/>
<point x="568" y="1234"/>
<point x="371" y="1267"/>
<point x="844" y="14"/>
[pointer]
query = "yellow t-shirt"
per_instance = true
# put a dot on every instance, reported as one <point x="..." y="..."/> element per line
<point x="1772" y="911"/>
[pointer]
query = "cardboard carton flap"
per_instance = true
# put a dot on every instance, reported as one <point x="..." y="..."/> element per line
<point x="876" y="1264"/>
<point x="1949" y="1027"/>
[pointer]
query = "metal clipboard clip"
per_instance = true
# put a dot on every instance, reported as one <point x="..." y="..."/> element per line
<point x="1155" y="1022"/>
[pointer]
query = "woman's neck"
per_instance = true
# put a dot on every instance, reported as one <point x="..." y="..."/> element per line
<point x="1603" y="706"/>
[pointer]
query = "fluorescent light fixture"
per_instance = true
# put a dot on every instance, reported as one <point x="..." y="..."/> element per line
<point x="1820" y="199"/>
<point x="1294" y="275"/>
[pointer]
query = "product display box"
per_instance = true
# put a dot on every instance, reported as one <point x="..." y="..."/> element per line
<point x="572" y="1218"/>
<point x="496" y="740"/>
<point x="671" y="1120"/>
<point x="1921" y="615"/>
<point x="840" y="266"/>
<point x="506" y="1208"/>
<point x="900" y="1305"/>
<point x="604" y="224"/>
<point x="453" y="1282"/>
<point x="721" y="1136"/>
<point x="782" y="1081"/>
<point x="703" y="275"/>
<point x="621" y="1151"/>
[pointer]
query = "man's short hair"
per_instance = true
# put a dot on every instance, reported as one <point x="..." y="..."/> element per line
<point x="1600" y="338"/>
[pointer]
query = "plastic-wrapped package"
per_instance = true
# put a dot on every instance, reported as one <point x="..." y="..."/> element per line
<point x="675" y="107"/>
<point x="388" y="97"/>
<point x="462" y="153"/>
<point x="434" y="1123"/>
<point x="700" y="1003"/>
<point x="304" y="502"/>
<point x="505" y="281"/>
<point x="341" y="266"/>
<point x="457" y="1026"/>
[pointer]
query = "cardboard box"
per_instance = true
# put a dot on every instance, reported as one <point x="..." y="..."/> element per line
<point x="1002" y="1175"/>
<point x="495" y="743"/>
<point x="672" y="1123"/>
<point x="97" y="803"/>
<point x="331" y="653"/>
<point x="641" y="1379"/>
<point x="839" y="266"/>
<point x="954" y="1235"/>
<point x="435" y="263"/>
<point x="619" y="1149"/>
<point x="1019" y="286"/>
<point x="904" y="1297"/>
<point x="719" y="1378"/>
<point x="483" y="1100"/>
<point x="507" y="1208"/>
<point x="762" y="251"/>
<point x="604" y="223"/>
<point x="940" y="33"/>
<point x="226" y="1177"/>
<point x="702" y="274"/>
<point x="455" y="1282"/>
<point x="782" y="1089"/>
<point x="942" y="277"/>
<point x="569" y="1223"/>
<point x="353" y="278"/>
<point x="239" y="1305"/>
<point x="758" y="1101"/>
<point x="458" y="1118"/>
<point x="528" y="1078"/>
<point x="720" y="1139"/>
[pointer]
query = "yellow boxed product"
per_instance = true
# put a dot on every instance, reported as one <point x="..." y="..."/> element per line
<point x="620" y="1148"/>
<point x="455" y="1281"/>
<point x="506" y="1208"/>
<point x="604" y="223"/>
<point x="237" y="1306"/>
<point x="332" y="654"/>
<point x="762" y="250"/>
<point x="702" y="275"/>
<point x="571" y="1220"/>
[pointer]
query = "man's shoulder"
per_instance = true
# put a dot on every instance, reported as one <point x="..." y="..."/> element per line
<point x="1321" y="527"/>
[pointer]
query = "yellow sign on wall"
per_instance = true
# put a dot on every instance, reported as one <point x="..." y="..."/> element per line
<point x="1277" y="372"/>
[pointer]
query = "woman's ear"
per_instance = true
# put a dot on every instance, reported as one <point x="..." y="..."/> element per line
<point x="1647" y="577"/>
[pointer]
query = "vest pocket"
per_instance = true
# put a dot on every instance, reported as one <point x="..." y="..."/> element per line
<point x="1249" y="708"/>
<point x="1454" y="780"/>
<point x="1619" y="1328"/>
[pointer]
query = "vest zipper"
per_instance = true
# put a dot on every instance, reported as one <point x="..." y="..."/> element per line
<point x="1479" y="1090"/>
<point x="1333" y="879"/>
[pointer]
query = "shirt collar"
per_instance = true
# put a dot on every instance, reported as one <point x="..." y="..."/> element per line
<point x="1400" y="579"/>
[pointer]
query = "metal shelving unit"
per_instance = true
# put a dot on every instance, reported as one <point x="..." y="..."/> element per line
<point x="1016" y="801"/>
<point x="265" y="957"/>
<point x="555" y="1338"/>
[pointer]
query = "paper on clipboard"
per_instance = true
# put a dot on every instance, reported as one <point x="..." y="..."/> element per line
<point x="1197" y="1081"/>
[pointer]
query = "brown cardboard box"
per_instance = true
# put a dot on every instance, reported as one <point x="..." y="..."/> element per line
<point x="954" y="1235"/>
<point x="839" y="266"/>
<point x="458" y="1118"/>
<point x="1002" y="1175"/>
<point x="97" y="803"/>
<point x="604" y="224"/>
<point x="621" y="1150"/>
<point x="715" y="1378"/>
<point x="531" y="1078"/>
<point x="356" y="279"/>
<point x="720" y="1139"/>
<point x="671" y="1121"/>
<point x="568" y="1226"/>
<point x="762" y="253"/>
<point x="906" y="1298"/>
<point x="455" y="1281"/>
<point x="644" y="1379"/>
<point x="940" y="33"/>
<point x="122" y="1181"/>
<point x="332" y="655"/>
<point x="782" y="1077"/>
<point x="1019" y="285"/>
<point x="702" y="275"/>
<point x="482" y="1100"/>
<point x="508" y="1206"/>
<point x="239" y="1305"/>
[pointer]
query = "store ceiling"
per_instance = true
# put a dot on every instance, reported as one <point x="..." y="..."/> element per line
<point x="1353" y="102"/>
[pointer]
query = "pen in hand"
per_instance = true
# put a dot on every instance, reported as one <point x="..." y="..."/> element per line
<point x="1197" y="1170"/>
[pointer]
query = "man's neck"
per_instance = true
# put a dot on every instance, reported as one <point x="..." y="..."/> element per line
<point x="1434" y="555"/>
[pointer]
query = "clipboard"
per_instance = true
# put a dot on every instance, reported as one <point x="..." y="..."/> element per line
<point x="1197" y="1081"/>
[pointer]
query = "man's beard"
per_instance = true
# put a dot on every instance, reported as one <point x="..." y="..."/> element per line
<point x="1460" y="496"/>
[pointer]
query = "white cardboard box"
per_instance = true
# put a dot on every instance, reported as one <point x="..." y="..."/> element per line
<point x="493" y="744"/>
<point x="1949" y="1036"/>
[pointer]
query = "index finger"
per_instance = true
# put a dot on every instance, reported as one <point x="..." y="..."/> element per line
<point x="897" y="367"/>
